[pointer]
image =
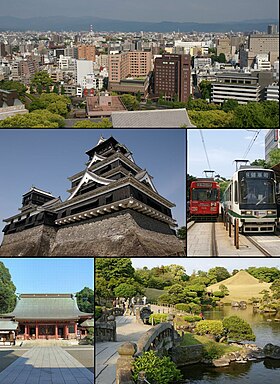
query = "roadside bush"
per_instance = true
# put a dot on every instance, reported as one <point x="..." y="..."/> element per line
<point x="192" y="318"/>
<point x="157" y="318"/>
<point x="238" y="329"/>
<point x="158" y="370"/>
<point x="211" y="327"/>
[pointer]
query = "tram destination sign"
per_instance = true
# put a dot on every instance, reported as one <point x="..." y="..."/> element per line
<point x="258" y="174"/>
<point x="206" y="185"/>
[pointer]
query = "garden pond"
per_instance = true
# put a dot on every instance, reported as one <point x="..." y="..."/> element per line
<point x="262" y="372"/>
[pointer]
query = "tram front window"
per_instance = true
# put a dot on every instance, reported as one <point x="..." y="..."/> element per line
<point x="258" y="191"/>
<point x="204" y="194"/>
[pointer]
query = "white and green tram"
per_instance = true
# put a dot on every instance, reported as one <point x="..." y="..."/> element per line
<point x="251" y="198"/>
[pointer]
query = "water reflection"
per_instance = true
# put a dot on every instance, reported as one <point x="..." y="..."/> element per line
<point x="263" y="372"/>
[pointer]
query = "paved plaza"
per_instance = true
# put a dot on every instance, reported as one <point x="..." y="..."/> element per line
<point x="107" y="352"/>
<point x="46" y="365"/>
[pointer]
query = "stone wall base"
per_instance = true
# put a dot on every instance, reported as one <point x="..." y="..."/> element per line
<point x="119" y="234"/>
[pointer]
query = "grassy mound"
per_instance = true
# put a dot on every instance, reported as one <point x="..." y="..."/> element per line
<point x="241" y="286"/>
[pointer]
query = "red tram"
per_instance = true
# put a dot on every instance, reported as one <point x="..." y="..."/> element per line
<point x="204" y="199"/>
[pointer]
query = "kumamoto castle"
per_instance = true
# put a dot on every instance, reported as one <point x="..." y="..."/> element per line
<point x="45" y="316"/>
<point x="113" y="209"/>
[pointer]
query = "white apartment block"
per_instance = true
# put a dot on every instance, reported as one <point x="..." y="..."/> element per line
<point x="272" y="92"/>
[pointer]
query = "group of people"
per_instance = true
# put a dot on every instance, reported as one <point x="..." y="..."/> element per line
<point x="128" y="304"/>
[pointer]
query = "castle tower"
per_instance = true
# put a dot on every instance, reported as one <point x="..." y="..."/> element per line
<point x="113" y="209"/>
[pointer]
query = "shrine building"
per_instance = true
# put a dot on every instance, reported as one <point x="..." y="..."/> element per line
<point x="46" y="316"/>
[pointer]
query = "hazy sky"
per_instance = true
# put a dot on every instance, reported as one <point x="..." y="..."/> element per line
<point x="50" y="275"/>
<point x="45" y="158"/>
<point x="146" y="10"/>
<point x="205" y="264"/>
<point x="223" y="147"/>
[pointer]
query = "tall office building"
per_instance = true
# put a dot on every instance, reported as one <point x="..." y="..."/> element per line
<point x="86" y="52"/>
<point x="172" y="76"/>
<point x="272" y="29"/>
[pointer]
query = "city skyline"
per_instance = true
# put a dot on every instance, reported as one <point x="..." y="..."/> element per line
<point x="178" y="10"/>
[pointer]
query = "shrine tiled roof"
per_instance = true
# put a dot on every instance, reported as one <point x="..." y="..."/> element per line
<point x="46" y="306"/>
<point x="8" y="325"/>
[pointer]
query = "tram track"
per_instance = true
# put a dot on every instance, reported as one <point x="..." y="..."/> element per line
<point x="214" y="247"/>
<point x="258" y="246"/>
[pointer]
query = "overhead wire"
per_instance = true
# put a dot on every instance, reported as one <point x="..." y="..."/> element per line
<point x="204" y="146"/>
<point x="254" y="138"/>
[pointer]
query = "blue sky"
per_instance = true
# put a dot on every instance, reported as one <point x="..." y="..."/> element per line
<point x="50" y="275"/>
<point x="223" y="147"/>
<point x="45" y="158"/>
<point x="205" y="264"/>
<point x="146" y="10"/>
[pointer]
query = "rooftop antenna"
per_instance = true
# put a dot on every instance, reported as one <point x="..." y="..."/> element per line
<point x="240" y="161"/>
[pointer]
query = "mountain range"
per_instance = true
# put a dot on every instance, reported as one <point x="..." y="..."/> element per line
<point x="63" y="23"/>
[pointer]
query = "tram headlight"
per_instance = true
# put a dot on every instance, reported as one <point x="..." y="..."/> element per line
<point x="246" y="212"/>
<point x="271" y="212"/>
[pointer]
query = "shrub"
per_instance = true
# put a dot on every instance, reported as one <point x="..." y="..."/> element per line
<point x="212" y="327"/>
<point x="182" y="307"/>
<point x="97" y="312"/>
<point x="192" y="318"/>
<point x="218" y="294"/>
<point x="238" y="329"/>
<point x="158" y="370"/>
<point x="157" y="318"/>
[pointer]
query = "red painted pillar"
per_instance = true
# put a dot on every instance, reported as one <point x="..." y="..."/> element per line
<point x="75" y="329"/>
<point x="25" y="331"/>
<point x="56" y="331"/>
<point x="36" y="331"/>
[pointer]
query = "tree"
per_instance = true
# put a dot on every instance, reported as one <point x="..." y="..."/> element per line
<point x="55" y="89"/>
<point x="138" y="96"/>
<point x="130" y="102"/>
<point x="9" y="85"/>
<point x="62" y="90"/>
<point x="85" y="300"/>
<point x="205" y="89"/>
<point x="104" y="123"/>
<point x="210" y="118"/>
<point x="181" y="233"/>
<point x="264" y="273"/>
<point x="224" y="289"/>
<point x="223" y="186"/>
<point x="36" y="119"/>
<point x="7" y="291"/>
<point x="127" y="290"/>
<point x="260" y="163"/>
<point x="256" y="115"/>
<point x="238" y="329"/>
<point x="190" y="179"/>
<point x="229" y="105"/>
<point x="274" y="157"/>
<point x="217" y="274"/>
<point x="58" y="107"/>
<point x="41" y="80"/>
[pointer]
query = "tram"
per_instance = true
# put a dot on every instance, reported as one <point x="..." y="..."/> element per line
<point x="251" y="198"/>
<point x="204" y="200"/>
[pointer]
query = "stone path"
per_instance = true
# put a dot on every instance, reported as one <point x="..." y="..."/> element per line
<point x="46" y="365"/>
<point x="107" y="352"/>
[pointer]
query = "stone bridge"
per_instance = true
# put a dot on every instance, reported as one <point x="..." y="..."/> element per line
<point x="160" y="338"/>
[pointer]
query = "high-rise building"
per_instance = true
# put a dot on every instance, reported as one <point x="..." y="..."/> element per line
<point x="86" y="52"/>
<point x="272" y="29"/>
<point x="129" y="64"/>
<point x="172" y="76"/>
<point x="260" y="44"/>
<point x="271" y="141"/>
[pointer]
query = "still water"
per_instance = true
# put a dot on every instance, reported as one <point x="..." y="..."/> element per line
<point x="263" y="372"/>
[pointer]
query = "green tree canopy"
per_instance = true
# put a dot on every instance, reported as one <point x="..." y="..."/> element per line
<point x="41" y="80"/>
<point x="104" y="123"/>
<point x="217" y="274"/>
<point x="274" y="157"/>
<point x="181" y="233"/>
<point x="85" y="300"/>
<point x="229" y="105"/>
<point x="127" y="290"/>
<point x="260" y="163"/>
<point x="36" y="119"/>
<point x="130" y="102"/>
<point x="267" y="274"/>
<point x="7" y="291"/>
<point x="10" y="85"/>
